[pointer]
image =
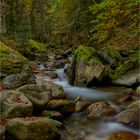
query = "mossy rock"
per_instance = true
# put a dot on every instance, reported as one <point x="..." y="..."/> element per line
<point x="11" y="61"/>
<point x="35" y="50"/>
<point x="99" y="110"/>
<point x="127" y="73"/>
<point x="84" y="53"/>
<point x="63" y="106"/>
<point x="111" y="56"/>
<point x="132" y="63"/>
<point x="129" y="117"/>
<point x="32" y="128"/>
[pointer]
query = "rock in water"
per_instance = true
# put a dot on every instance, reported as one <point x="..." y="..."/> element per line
<point x="14" y="104"/>
<point x="99" y="110"/>
<point x="57" y="90"/>
<point x="63" y="106"/>
<point x="129" y="117"/>
<point x="32" y="128"/>
<point x="81" y="106"/>
<point x="39" y="95"/>
<point x="85" y="68"/>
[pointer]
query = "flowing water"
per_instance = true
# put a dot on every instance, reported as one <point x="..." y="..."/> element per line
<point x="78" y="127"/>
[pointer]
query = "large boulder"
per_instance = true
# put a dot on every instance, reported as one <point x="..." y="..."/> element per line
<point x="12" y="62"/>
<point x="85" y="69"/>
<point x="129" y="117"/>
<point x="57" y="90"/>
<point x="35" y="50"/>
<point x="99" y="110"/>
<point x="129" y="79"/>
<point x="14" y="104"/>
<point x="106" y="66"/>
<point x="94" y="71"/>
<point x="32" y="128"/>
<point x="39" y="95"/>
<point x="127" y="73"/>
<point x="16" y="80"/>
<point x="110" y="56"/>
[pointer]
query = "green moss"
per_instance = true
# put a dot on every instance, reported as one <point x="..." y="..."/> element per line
<point x="33" y="50"/>
<point x="36" y="46"/>
<point x="62" y="103"/>
<point x="132" y="63"/>
<point x="10" y="55"/>
<point x="113" y="52"/>
<point x="10" y="60"/>
<point x="84" y="52"/>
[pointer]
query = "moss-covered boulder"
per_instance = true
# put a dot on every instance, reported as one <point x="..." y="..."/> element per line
<point x="11" y="61"/>
<point x="127" y="73"/>
<point x="15" y="69"/>
<point x="16" y="80"/>
<point x="111" y="56"/>
<point x="35" y="50"/>
<point x="32" y="128"/>
<point x="57" y="90"/>
<point x="14" y="104"/>
<point x="39" y="95"/>
<point x="85" y="68"/>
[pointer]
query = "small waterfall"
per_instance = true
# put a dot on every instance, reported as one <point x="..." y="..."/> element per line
<point x="62" y="78"/>
<point x="61" y="75"/>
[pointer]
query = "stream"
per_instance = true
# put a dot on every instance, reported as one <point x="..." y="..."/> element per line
<point x="80" y="128"/>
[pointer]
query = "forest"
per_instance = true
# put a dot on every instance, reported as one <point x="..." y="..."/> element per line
<point x="69" y="69"/>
